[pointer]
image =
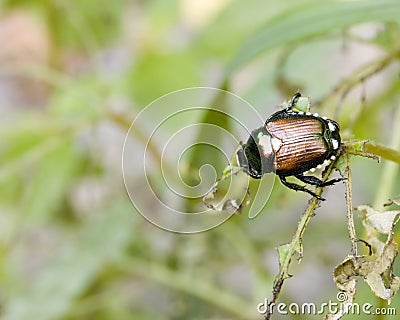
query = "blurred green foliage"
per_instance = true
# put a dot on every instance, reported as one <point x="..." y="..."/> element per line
<point x="75" y="24"/>
<point x="73" y="246"/>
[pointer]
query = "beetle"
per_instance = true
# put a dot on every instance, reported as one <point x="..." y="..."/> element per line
<point x="292" y="143"/>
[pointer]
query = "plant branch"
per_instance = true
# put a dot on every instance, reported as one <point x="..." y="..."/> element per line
<point x="370" y="149"/>
<point x="287" y="251"/>
<point x="349" y="201"/>
<point x="125" y="122"/>
<point x="360" y="75"/>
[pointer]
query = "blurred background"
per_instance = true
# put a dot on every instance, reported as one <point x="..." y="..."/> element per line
<point x="73" y="77"/>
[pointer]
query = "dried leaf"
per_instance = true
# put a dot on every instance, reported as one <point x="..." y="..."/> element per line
<point x="229" y="193"/>
<point x="343" y="274"/>
<point x="375" y="271"/>
<point x="344" y="277"/>
<point x="382" y="222"/>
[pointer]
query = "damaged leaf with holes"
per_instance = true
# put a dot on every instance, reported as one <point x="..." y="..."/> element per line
<point x="230" y="192"/>
<point x="377" y="269"/>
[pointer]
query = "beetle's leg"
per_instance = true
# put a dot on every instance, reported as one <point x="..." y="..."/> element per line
<point x="296" y="187"/>
<point x="317" y="182"/>
<point x="293" y="101"/>
<point x="254" y="175"/>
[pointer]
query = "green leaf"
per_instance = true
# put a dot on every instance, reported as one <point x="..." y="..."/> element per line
<point x="50" y="181"/>
<point x="80" y="101"/>
<point x="342" y="165"/>
<point x="241" y="19"/>
<point x="156" y="74"/>
<point x="286" y="252"/>
<point x="311" y="20"/>
<point x="214" y="115"/>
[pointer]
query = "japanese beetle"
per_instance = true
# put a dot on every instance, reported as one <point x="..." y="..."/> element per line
<point x="292" y="143"/>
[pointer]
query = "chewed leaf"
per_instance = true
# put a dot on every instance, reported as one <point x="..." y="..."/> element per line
<point x="303" y="104"/>
<point x="382" y="222"/>
<point x="230" y="192"/>
<point x="342" y="165"/>
<point x="376" y="269"/>
<point x="343" y="276"/>
<point x="377" y="285"/>
<point x="284" y="252"/>
<point x="378" y="273"/>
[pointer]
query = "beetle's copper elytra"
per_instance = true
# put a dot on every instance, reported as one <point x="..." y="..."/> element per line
<point x="292" y="143"/>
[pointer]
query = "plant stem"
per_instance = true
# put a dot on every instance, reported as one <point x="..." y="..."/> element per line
<point x="294" y="246"/>
<point x="383" y="151"/>
<point x="364" y="72"/>
<point x="349" y="200"/>
<point x="125" y="122"/>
